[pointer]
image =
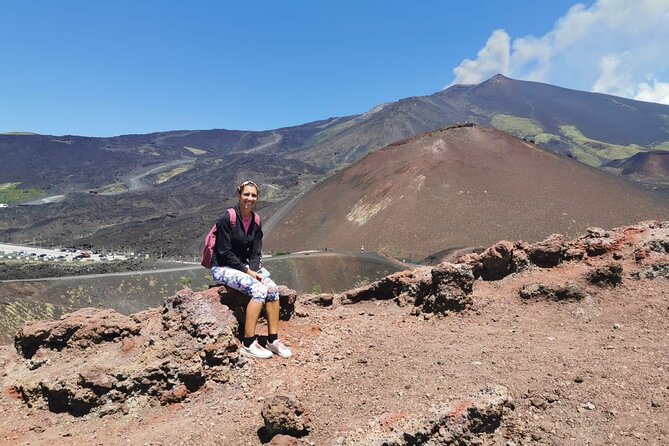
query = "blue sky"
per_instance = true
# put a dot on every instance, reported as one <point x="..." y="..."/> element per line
<point x="111" y="68"/>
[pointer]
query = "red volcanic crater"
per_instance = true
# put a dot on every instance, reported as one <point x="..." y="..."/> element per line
<point x="458" y="187"/>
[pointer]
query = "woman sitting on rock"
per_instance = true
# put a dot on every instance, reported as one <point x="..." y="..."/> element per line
<point x="236" y="264"/>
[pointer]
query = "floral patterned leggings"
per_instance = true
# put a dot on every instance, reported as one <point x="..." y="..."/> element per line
<point x="265" y="291"/>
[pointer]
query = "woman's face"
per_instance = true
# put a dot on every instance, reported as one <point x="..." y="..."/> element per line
<point x="248" y="197"/>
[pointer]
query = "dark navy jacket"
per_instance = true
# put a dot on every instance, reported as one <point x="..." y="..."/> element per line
<point x="234" y="248"/>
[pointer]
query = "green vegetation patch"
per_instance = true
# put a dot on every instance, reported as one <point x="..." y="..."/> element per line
<point x="545" y="138"/>
<point x="664" y="145"/>
<point x="17" y="133"/>
<point x="517" y="126"/>
<point x="150" y="151"/>
<point x="523" y="128"/>
<point x="195" y="151"/>
<point x="334" y="130"/>
<point x="4" y="186"/>
<point x="590" y="151"/>
<point x="173" y="173"/>
<point x="117" y="187"/>
<point x="9" y="193"/>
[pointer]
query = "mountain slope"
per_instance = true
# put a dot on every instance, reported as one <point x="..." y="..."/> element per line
<point x="456" y="187"/>
<point x="653" y="164"/>
<point x="167" y="186"/>
<point x="592" y="127"/>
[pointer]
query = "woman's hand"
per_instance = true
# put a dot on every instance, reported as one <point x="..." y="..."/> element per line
<point x="254" y="274"/>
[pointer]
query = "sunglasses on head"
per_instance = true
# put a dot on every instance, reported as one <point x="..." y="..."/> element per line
<point x="246" y="183"/>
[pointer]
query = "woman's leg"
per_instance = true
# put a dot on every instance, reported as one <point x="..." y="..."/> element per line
<point x="246" y="284"/>
<point x="253" y="310"/>
<point x="272" y="306"/>
<point x="272" y="309"/>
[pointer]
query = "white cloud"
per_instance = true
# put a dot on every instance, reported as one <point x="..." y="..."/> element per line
<point x="615" y="78"/>
<point x="492" y="59"/>
<point x="653" y="92"/>
<point x="614" y="46"/>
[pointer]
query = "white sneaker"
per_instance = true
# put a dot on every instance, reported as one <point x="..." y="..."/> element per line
<point x="256" y="351"/>
<point x="280" y="349"/>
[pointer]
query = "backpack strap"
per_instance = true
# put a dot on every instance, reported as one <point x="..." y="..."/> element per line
<point x="233" y="217"/>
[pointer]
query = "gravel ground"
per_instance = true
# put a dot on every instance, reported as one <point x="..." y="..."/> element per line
<point x="585" y="372"/>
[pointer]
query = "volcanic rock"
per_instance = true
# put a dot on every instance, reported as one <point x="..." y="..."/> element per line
<point x="550" y="252"/>
<point x="79" y="329"/>
<point x="284" y="414"/>
<point x="538" y="291"/>
<point x="468" y="421"/>
<point x="610" y="274"/>
<point x="96" y="360"/>
<point x="322" y="299"/>
<point x="498" y="261"/>
<point x="446" y="287"/>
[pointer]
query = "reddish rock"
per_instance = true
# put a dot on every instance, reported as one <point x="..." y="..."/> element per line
<point x="284" y="414"/>
<point x="174" y="395"/>
<point x="79" y="329"/>
<point x="549" y="252"/>
<point x="574" y="253"/>
<point x="441" y="289"/>
<point x="537" y="291"/>
<point x="598" y="247"/>
<point x="641" y="254"/>
<point x="462" y="422"/>
<point x="404" y="282"/>
<point x="284" y="440"/>
<point x="322" y="300"/>
<point x="77" y="366"/>
<point x="500" y="260"/>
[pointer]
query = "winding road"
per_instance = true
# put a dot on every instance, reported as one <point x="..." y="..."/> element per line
<point x="133" y="182"/>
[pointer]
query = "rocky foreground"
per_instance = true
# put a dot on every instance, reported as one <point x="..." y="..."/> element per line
<point x="559" y="342"/>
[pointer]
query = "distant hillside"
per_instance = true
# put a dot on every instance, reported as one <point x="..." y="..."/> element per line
<point x="458" y="187"/>
<point x="653" y="164"/>
<point x="648" y="168"/>
<point x="591" y="127"/>
<point x="159" y="192"/>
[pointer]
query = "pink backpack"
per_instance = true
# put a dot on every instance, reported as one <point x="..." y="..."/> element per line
<point x="210" y="239"/>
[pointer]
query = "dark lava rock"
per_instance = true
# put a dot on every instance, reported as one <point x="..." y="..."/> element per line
<point x="607" y="275"/>
<point x="657" y="270"/>
<point x="538" y="291"/>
